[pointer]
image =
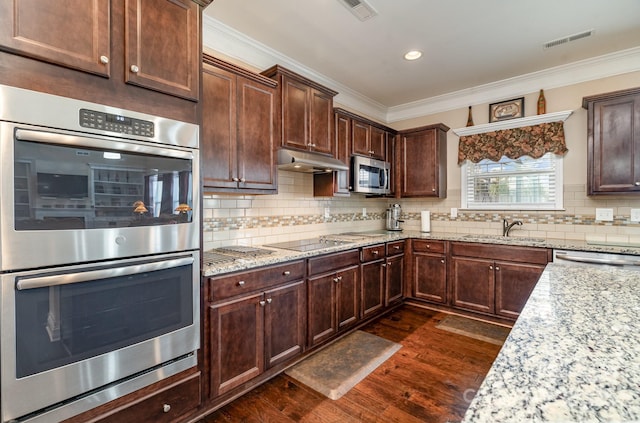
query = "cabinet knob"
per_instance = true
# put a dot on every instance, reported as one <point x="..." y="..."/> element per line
<point x="166" y="408"/>
<point x="375" y="252"/>
<point x="262" y="303"/>
<point x="433" y="190"/>
<point x="428" y="245"/>
<point x="336" y="280"/>
<point x="637" y="183"/>
<point x="235" y="179"/>
<point x="241" y="283"/>
<point x="269" y="300"/>
<point x="497" y="267"/>
<point x="339" y="278"/>
<point x="242" y="179"/>
<point x="396" y="247"/>
<point x="104" y="60"/>
<point x="442" y="261"/>
<point x="135" y="69"/>
<point x="490" y="267"/>
<point x="286" y="273"/>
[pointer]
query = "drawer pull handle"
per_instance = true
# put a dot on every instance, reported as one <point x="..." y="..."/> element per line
<point x="396" y="247"/>
<point x="166" y="408"/>
<point x="241" y="283"/>
<point x="374" y="252"/>
<point x="286" y="273"/>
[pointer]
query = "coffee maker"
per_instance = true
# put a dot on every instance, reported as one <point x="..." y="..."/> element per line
<point x="393" y="218"/>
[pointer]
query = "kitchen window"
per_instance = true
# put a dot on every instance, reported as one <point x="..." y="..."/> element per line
<point x="524" y="183"/>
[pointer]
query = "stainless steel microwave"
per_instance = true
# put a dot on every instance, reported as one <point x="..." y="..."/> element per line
<point x="369" y="176"/>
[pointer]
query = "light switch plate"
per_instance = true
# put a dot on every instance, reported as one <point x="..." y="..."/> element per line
<point x="327" y="212"/>
<point x="604" y="215"/>
<point x="635" y="215"/>
<point x="454" y="212"/>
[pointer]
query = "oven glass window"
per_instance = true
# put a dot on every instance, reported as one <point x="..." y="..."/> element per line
<point x="64" y="324"/>
<point x="62" y="187"/>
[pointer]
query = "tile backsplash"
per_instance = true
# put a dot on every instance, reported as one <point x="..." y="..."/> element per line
<point x="294" y="213"/>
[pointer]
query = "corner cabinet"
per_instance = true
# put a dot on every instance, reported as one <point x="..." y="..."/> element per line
<point x="109" y="49"/>
<point x="305" y="112"/>
<point x="422" y="162"/>
<point x="238" y="129"/>
<point x="613" y="151"/>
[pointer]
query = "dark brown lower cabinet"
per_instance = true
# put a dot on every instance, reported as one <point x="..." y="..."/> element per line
<point x="373" y="280"/>
<point x="495" y="279"/>
<point x="429" y="271"/>
<point x="333" y="302"/>
<point x="394" y="275"/>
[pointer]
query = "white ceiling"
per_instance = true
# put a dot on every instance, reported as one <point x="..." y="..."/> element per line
<point x="467" y="44"/>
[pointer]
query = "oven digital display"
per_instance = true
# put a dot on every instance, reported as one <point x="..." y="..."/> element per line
<point x="116" y="123"/>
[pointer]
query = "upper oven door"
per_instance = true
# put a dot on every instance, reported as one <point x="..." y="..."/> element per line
<point x="69" y="197"/>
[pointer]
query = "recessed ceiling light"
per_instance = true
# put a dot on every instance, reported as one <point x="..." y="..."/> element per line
<point x="413" y="55"/>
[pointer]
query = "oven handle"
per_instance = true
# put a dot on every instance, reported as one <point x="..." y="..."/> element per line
<point x="116" y="145"/>
<point x="65" y="279"/>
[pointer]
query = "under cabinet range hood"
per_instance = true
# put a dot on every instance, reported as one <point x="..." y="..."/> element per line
<point x="302" y="161"/>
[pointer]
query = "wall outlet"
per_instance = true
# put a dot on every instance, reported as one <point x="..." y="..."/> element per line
<point x="605" y="215"/>
<point x="454" y="212"/>
<point x="635" y="215"/>
<point x="364" y="212"/>
<point x="327" y="213"/>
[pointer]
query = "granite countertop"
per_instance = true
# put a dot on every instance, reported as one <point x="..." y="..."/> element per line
<point x="280" y="255"/>
<point x="572" y="355"/>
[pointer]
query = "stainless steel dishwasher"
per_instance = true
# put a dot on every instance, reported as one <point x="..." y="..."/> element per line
<point x="591" y="258"/>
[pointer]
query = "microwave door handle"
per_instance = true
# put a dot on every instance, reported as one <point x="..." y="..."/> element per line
<point x="383" y="178"/>
<point x="65" y="279"/>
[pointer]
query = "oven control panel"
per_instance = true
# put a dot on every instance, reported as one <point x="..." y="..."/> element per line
<point x="115" y="123"/>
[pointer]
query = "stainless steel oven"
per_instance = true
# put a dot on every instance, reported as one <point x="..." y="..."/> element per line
<point x="100" y="262"/>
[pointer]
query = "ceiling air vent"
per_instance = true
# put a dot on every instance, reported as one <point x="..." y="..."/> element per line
<point x="362" y="10"/>
<point x="568" y="39"/>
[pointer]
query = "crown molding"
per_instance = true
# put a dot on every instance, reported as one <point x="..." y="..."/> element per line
<point x="226" y="40"/>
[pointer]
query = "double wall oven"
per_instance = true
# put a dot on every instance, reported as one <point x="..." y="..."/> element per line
<point x="99" y="243"/>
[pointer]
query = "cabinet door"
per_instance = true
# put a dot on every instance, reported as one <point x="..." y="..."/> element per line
<point x="615" y="146"/>
<point x="237" y="343"/>
<point x="372" y="292"/>
<point x="378" y="143"/>
<point x="514" y="283"/>
<point x="395" y="271"/>
<point x="321" y="122"/>
<point x="71" y="33"/>
<point x="430" y="277"/>
<point x="295" y="114"/>
<point x="360" y="137"/>
<point x="347" y="304"/>
<point x="285" y="322"/>
<point x="343" y="152"/>
<point x="473" y="284"/>
<point x="256" y="136"/>
<point x="162" y="46"/>
<point x="419" y="164"/>
<point x="218" y="138"/>
<point x="321" y="300"/>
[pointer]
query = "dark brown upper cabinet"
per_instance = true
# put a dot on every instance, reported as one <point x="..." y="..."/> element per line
<point x="304" y="112"/>
<point x="613" y="143"/>
<point x="238" y="129"/>
<point x="422" y="162"/>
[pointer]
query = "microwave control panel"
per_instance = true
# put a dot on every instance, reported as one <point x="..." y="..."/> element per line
<point x="115" y="123"/>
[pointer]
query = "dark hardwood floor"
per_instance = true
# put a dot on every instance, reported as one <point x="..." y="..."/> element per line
<point x="432" y="378"/>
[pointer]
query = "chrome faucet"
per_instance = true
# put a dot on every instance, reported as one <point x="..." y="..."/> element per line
<point x="506" y="226"/>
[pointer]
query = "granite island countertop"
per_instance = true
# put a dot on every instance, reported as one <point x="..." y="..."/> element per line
<point x="573" y="355"/>
<point x="281" y="255"/>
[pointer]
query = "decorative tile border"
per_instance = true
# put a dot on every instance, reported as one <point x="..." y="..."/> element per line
<point x="237" y="223"/>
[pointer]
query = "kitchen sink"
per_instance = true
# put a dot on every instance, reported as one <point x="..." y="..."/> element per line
<point x="311" y="244"/>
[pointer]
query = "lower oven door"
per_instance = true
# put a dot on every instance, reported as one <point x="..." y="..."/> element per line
<point x="73" y="332"/>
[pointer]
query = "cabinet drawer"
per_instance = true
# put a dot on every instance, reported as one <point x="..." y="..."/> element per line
<point x="396" y="247"/>
<point x="428" y="246"/>
<point x="511" y="253"/>
<point x="373" y="252"/>
<point x="165" y="405"/>
<point x="331" y="262"/>
<point x="242" y="283"/>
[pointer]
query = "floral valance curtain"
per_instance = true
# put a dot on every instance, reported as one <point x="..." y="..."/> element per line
<point x="533" y="141"/>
